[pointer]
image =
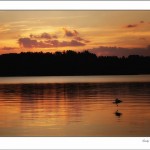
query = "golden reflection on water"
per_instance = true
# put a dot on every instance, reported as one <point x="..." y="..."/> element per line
<point x="74" y="109"/>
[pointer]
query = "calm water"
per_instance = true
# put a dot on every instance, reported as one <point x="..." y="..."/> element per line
<point x="75" y="106"/>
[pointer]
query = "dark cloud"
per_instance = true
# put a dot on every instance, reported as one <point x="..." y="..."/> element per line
<point x="131" y="25"/>
<point x="119" y="51"/>
<point x="136" y="24"/>
<point x="30" y="43"/>
<point x="45" y="40"/>
<point x="46" y="36"/>
<point x="72" y="43"/>
<point x="27" y="42"/>
<point x="70" y="33"/>
<point x="74" y="34"/>
<point x="141" y="21"/>
<point x="56" y="43"/>
<point x="43" y="36"/>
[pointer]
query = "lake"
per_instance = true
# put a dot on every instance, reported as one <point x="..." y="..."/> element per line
<point x="75" y="106"/>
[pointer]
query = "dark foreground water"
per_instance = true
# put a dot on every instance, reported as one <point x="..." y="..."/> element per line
<point x="75" y="106"/>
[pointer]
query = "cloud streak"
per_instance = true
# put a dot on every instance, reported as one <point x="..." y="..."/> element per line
<point x="81" y="39"/>
<point x="8" y="48"/>
<point x="132" y="26"/>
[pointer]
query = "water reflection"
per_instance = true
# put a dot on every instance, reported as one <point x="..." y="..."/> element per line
<point x="74" y="109"/>
<point x="118" y="114"/>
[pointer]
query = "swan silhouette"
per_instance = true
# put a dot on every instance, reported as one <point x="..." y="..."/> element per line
<point x="117" y="101"/>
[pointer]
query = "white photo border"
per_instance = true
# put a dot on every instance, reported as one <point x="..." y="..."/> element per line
<point x="74" y="5"/>
<point x="68" y="143"/>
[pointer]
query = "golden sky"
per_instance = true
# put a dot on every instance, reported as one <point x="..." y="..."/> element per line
<point x="50" y="31"/>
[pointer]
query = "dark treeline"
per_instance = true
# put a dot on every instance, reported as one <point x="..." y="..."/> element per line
<point x="71" y="63"/>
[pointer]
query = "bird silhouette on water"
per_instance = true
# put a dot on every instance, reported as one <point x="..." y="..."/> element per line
<point x="118" y="114"/>
<point x="117" y="101"/>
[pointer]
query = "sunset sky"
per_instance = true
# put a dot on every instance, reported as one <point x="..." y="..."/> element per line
<point x="98" y="31"/>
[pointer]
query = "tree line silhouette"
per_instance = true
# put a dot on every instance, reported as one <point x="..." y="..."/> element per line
<point x="71" y="63"/>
